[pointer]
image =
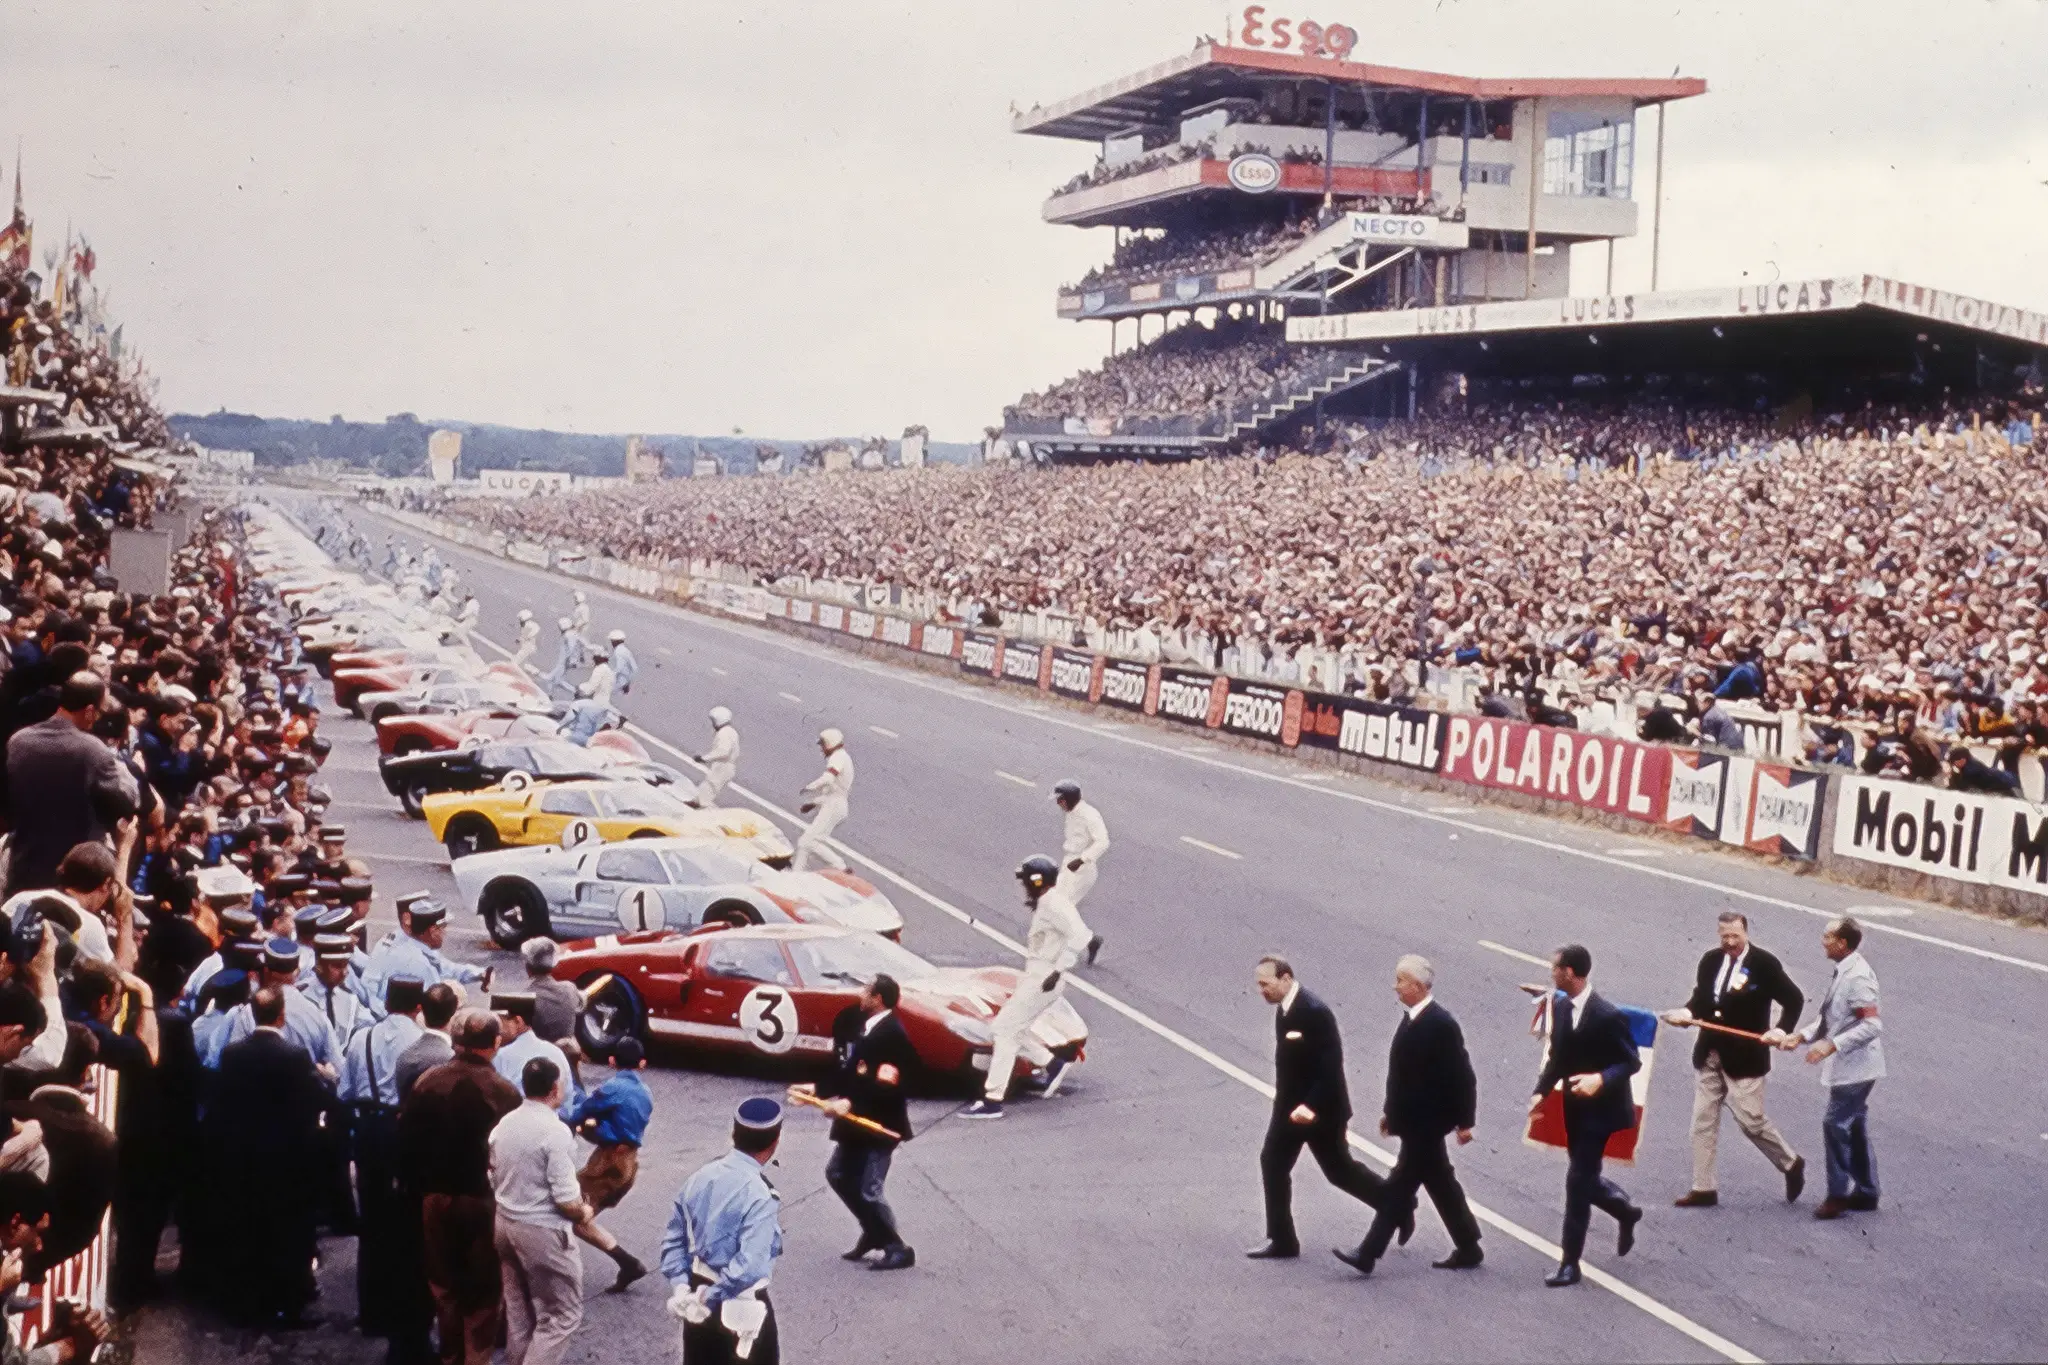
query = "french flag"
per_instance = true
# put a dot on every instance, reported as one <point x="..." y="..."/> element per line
<point x="1546" y="1125"/>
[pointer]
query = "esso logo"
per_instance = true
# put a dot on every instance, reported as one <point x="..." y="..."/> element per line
<point x="577" y="833"/>
<point x="1255" y="173"/>
<point x="768" y="1018"/>
<point x="640" y="909"/>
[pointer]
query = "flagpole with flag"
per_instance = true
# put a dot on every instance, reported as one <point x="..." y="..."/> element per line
<point x="1546" y="1126"/>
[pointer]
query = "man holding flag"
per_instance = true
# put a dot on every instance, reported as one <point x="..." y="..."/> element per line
<point x="1593" y="1056"/>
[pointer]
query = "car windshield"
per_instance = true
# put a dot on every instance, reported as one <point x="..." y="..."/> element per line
<point x="639" y="800"/>
<point x="561" y="760"/>
<point x="854" y="960"/>
<point x="708" y="866"/>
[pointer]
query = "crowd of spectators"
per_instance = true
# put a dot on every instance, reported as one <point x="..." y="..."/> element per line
<point x="1193" y="370"/>
<point x="56" y="348"/>
<point x="1860" y="564"/>
<point x="1203" y="251"/>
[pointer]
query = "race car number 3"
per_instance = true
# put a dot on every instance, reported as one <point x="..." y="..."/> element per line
<point x="768" y="1018"/>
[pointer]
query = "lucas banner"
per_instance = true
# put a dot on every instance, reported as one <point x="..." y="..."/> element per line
<point x="1618" y="776"/>
<point x="1989" y="840"/>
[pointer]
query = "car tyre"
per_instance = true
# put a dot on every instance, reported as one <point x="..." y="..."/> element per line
<point x="610" y="1016"/>
<point x="737" y="914"/>
<point x="413" y="797"/>
<point x="514" y="911"/>
<point x="470" y="834"/>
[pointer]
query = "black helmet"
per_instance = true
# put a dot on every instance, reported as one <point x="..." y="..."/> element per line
<point x="1038" y="872"/>
<point x="1064" y="792"/>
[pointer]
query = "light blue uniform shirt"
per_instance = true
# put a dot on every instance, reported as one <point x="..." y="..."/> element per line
<point x="625" y="667"/>
<point x="340" y="1006"/>
<point x="729" y="1217"/>
<point x="404" y="955"/>
<point x="369" y="1069"/>
<point x="304" y="1024"/>
<point x="513" y="1057"/>
<point x="199" y="976"/>
<point x="209" y="1036"/>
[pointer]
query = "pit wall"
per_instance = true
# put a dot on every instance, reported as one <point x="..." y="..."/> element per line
<point x="1986" y="853"/>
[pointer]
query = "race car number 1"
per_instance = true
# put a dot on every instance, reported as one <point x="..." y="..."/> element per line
<point x="768" y="1018"/>
<point x="640" y="909"/>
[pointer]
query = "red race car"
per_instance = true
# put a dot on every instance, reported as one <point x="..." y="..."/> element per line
<point x="773" y="991"/>
<point x="398" y="735"/>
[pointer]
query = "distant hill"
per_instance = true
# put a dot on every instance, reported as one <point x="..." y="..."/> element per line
<point x="397" y="446"/>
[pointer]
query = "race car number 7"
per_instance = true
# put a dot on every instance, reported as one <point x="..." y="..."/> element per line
<point x="768" y="1018"/>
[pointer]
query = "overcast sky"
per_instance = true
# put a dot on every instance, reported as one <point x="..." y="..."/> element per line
<point x="807" y="219"/>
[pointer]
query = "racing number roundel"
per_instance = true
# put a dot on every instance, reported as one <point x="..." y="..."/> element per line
<point x="577" y="833"/>
<point x="768" y="1018"/>
<point x="640" y="909"/>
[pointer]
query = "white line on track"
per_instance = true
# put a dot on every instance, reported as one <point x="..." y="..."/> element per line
<point x="1622" y="1290"/>
<point x="1012" y="777"/>
<point x="1515" y="953"/>
<point x="1218" y="850"/>
<point x="885" y="732"/>
<point x="791" y="696"/>
<point x="1441" y="815"/>
<point x="405" y="858"/>
<point x="720" y="672"/>
<point x="664" y="649"/>
<point x="1637" y="852"/>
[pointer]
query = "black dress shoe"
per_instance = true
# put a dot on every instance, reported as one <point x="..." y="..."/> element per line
<point x="1625" y="1239"/>
<point x="1094" y="947"/>
<point x="1566" y="1274"/>
<point x="1273" y="1251"/>
<point x="1703" y="1199"/>
<point x="860" y="1249"/>
<point x="898" y="1257"/>
<point x="1464" y="1258"/>
<point x="1357" y="1260"/>
<point x="1795" y="1180"/>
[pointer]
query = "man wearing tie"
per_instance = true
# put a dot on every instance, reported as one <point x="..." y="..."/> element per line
<point x="1431" y="1093"/>
<point x="1311" y="1107"/>
<point x="1736" y="985"/>
<point x="1593" y="1054"/>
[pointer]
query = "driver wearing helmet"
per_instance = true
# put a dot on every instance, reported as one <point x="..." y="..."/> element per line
<point x="529" y="638"/>
<point x="827" y="792"/>
<point x="1057" y="939"/>
<point x="721" y="760"/>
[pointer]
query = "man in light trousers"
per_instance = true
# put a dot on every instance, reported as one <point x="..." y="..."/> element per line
<point x="827" y="793"/>
<point x="1057" y="939"/>
<point x="540" y="1204"/>
<point x="1848" y="1046"/>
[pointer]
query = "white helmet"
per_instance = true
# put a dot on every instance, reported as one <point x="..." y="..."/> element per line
<point x="831" y="738"/>
<point x="526" y="613"/>
<point x="617" y="637"/>
<point x="720" y="716"/>
<point x="579" y="594"/>
<point x="563" y="622"/>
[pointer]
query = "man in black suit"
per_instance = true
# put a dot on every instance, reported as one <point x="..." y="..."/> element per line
<point x="1311" y="1106"/>
<point x="264" y="1123"/>
<point x="1736" y="985"/>
<point x="1593" y="1054"/>
<point x="874" y="1062"/>
<point x="1431" y="1093"/>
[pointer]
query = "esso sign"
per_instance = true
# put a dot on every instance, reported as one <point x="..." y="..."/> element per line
<point x="1310" y="38"/>
<point x="768" y="1018"/>
<point x="1255" y="173"/>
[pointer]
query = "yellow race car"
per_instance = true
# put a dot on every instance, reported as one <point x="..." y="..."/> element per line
<point x="516" y="813"/>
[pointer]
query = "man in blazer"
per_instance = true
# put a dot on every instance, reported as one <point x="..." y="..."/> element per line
<point x="1311" y="1108"/>
<point x="1593" y="1054"/>
<point x="1736" y="985"/>
<point x="1431" y="1093"/>
<point x="875" y="1063"/>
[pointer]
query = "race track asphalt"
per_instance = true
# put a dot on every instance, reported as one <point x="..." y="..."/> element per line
<point x="1108" y="1224"/>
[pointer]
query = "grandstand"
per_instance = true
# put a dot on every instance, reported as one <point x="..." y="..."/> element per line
<point x="1249" y="185"/>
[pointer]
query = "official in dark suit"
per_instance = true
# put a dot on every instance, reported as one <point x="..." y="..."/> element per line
<point x="1736" y="985"/>
<point x="1431" y="1093"/>
<point x="1593" y="1054"/>
<point x="264" y="1125"/>
<point x="1311" y="1106"/>
<point x="64" y="787"/>
<point x="874" y="1063"/>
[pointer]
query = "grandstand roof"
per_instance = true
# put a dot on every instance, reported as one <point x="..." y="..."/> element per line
<point x="1214" y="71"/>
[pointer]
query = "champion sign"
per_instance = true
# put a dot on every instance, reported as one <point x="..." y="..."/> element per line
<point x="1989" y="840"/>
<point x="1618" y="776"/>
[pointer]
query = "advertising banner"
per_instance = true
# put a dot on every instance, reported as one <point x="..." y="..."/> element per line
<point x="1696" y="793"/>
<point x="1128" y="684"/>
<point x="1989" y="840"/>
<point x="1262" y="711"/>
<point x="1192" y="698"/>
<point x="1078" y="674"/>
<point x="831" y="616"/>
<point x="1783" y="815"/>
<point x="1373" y="729"/>
<point x="943" y="641"/>
<point x="980" y="653"/>
<point x="1023" y="661"/>
<point x="896" y="631"/>
<point x="861" y="623"/>
<point x="1618" y="776"/>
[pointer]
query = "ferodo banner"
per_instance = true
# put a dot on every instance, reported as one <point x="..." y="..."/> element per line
<point x="943" y="641"/>
<point x="1262" y="711"/>
<point x="1990" y="840"/>
<point x="1128" y="684"/>
<point x="1373" y="729"/>
<point x="1618" y="776"/>
<point x="1192" y="698"/>
<point x="1023" y="661"/>
<point x="1078" y="674"/>
<point x="981" y="653"/>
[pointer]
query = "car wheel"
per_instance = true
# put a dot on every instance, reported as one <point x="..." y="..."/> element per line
<point x="413" y="796"/>
<point x="513" y="912"/>
<point x="738" y="914"/>
<point x="470" y="834"/>
<point x="646" y="834"/>
<point x="610" y="1016"/>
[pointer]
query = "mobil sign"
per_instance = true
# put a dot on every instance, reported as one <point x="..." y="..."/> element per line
<point x="1618" y="776"/>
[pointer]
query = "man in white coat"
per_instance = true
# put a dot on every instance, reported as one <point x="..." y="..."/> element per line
<point x="598" y="686"/>
<point x="720" y="761"/>
<point x="1057" y="939"/>
<point x="529" y="638"/>
<point x="579" y="615"/>
<point x="827" y="792"/>
<point x="1083" y="841"/>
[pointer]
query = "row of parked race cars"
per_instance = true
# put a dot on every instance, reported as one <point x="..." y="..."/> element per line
<point x="681" y="922"/>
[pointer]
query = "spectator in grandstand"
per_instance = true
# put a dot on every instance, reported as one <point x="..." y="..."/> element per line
<point x="1968" y="773"/>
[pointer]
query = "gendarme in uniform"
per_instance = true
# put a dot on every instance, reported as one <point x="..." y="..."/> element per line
<point x="721" y="1245"/>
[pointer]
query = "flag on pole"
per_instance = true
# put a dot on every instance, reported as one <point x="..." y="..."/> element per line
<point x="17" y="239"/>
<point x="1546" y="1125"/>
